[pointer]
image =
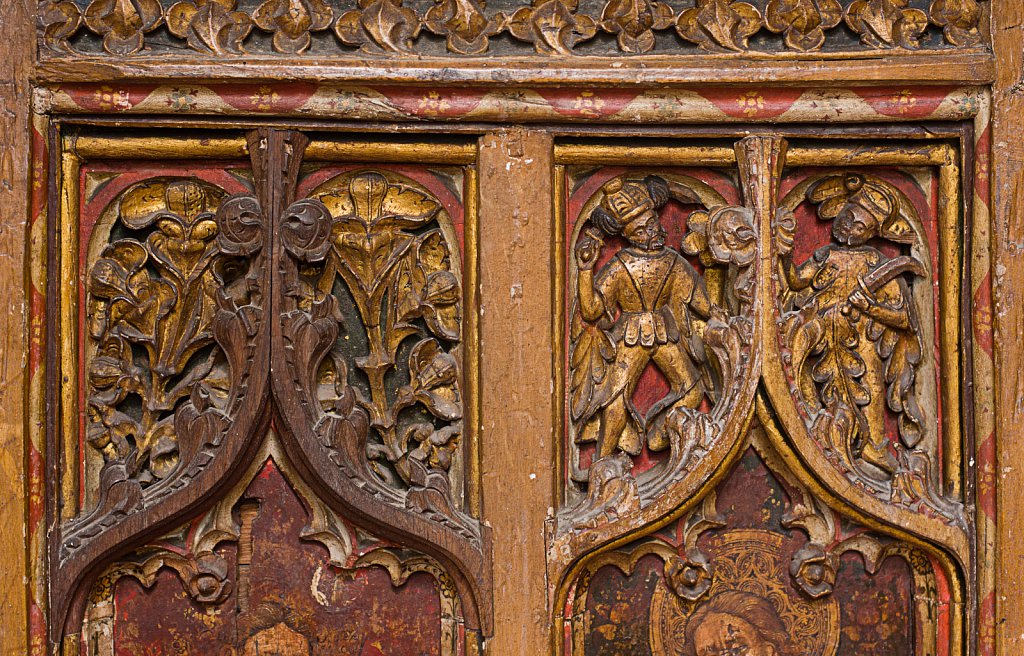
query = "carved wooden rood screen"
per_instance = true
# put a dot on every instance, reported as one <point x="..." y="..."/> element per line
<point x="455" y="328"/>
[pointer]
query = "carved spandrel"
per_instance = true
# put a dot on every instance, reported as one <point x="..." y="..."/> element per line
<point x="368" y="359"/>
<point x="270" y="569"/>
<point x="853" y="313"/>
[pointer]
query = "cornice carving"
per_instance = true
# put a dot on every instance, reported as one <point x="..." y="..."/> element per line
<point x="551" y="27"/>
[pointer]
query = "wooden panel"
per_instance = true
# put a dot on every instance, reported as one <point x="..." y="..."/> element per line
<point x="517" y="438"/>
<point x="16" y="32"/>
<point x="1008" y="268"/>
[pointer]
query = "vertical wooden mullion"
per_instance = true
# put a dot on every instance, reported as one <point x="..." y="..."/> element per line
<point x="517" y="379"/>
<point x="1008" y="320"/>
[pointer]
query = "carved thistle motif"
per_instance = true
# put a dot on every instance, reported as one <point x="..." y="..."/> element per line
<point x="855" y="339"/>
<point x="153" y="298"/>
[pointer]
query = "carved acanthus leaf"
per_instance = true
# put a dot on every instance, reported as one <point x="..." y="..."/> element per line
<point x="886" y="23"/>
<point x="719" y="24"/>
<point x="210" y="25"/>
<point x="803" y="22"/>
<point x="552" y="26"/>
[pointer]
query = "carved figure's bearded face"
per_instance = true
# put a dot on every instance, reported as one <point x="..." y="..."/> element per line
<point x="645" y="232"/>
<point x="721" y="634"/>
<point x="854" y="225"/>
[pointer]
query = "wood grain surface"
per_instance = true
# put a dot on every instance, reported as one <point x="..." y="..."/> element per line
<point x="518" y="437"/>
<point x="1008" y="265"/>
<point x="17" y="34"/>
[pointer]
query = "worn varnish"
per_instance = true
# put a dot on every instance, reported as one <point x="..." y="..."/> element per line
<point x="552" y="327"/>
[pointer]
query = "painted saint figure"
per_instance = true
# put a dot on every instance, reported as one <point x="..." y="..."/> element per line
<point x="856" y="345"/>
<point x="638" y="309"/>
<point x="736" y="623"/>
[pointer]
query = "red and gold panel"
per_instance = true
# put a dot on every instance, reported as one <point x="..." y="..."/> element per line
<point x="272" y="570"/>
<point x="753" y="568"/>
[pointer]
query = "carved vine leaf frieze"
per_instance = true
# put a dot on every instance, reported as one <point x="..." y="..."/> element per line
<point x="379" y="26"/>
<point x="959" y="20"/>
<point x="210" y="25"/>
<point x="552" y="27"/>
<point x="60" y="21"/>
<point x="123" y="23"/>
<point x="465" y="24"/>
<point x="634" y="22"/>
<point x="292" y="21"/>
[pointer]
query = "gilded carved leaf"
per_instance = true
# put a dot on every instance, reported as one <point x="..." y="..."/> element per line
<point x="959" y="21"/>
<point x="379" y="26"/>
<point x="157" y="292"/>
<point x="886" y="23"/>
<point x="719" y="24"/>
<point x="210" y="25"/>
<point x="60" y="22"/>
<point x="387" y="246"/>
<point x="464" y="24"/>
<point x="634" y="22"/>
<point x="552" y="26"/>
<point x="803" y="22"/>
<point x="123" y="23"/>
<point x="292" y="21"/>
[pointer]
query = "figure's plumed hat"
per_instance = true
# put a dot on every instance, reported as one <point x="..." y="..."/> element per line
<point x="876" y="196"/>
<point x="623" y="200"/>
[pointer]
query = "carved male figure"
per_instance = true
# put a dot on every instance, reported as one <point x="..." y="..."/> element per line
<point x="856" y="346"/>
<point x="643" y="302"/>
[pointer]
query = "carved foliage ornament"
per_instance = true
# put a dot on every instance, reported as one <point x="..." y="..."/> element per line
<point x="158" y="292"/>
<point x="552" y="27"/>
<point x="382" y="236"/>
<point x="176" y="377"/>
